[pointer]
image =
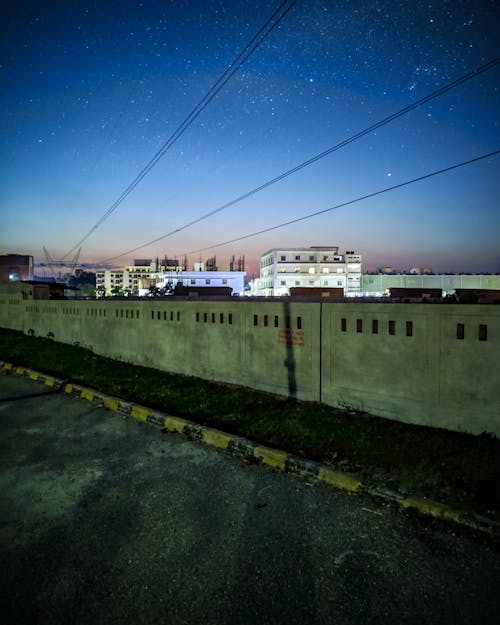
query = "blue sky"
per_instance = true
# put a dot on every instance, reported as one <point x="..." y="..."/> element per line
<point x="90" y="91"/>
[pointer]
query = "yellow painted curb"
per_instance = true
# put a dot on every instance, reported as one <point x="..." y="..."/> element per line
<point x="50" y="381"/>
<point x="175" y="424"/>
<point x="7" y="365"/>
<point x="68" y="388"/>
<point x="87" y="394"/>
<point x="345" y="482"/>
<point x="433" y="508"/>
<point x="33" y="375"/>
<point x="111" y="403"/>
<point x="216" y="438"/>
<point x="19" y="370"/>
<point x="139" y="413"/>
<point x="272" y="457"/>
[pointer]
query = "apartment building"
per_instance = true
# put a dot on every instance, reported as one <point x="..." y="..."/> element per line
<point x="313" y="267"/>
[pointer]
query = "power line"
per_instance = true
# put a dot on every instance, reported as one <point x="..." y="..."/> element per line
<point x="455" y="83"/>
<point x="228" y="73"/>
<point x="354" y="201"/>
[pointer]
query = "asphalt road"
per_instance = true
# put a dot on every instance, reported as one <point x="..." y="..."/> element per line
<point x="107" y="521"/>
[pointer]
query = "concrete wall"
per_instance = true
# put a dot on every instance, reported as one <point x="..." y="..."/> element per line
<point x="300" y="349"/>
<point x="430" y="378"/>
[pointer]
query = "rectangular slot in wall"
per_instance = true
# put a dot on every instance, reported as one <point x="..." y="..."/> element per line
<point x="374" y="326"/>
<point x="359" y="325"/>
<point x="483" y="332"/>
<point x="343" y="324"/>
<point x="460" y="331"/>
<point x="409" y="328"/>
<point x="392" y="326"/>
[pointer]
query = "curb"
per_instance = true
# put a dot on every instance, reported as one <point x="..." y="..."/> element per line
<point x="250" y="451"/>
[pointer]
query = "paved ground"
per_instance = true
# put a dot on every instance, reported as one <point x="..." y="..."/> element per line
<point x="106" y="521"/>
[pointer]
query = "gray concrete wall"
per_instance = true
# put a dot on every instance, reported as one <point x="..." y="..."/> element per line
<point x="430" y="378"/>
<point x="300" y="349"/>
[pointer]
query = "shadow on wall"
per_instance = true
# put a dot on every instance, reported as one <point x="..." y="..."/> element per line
<point x="289" y="361"/>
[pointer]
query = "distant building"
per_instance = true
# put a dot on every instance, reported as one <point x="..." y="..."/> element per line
<point x="138" y="280"/>
<point x="212" y="264"/>
<point x="380" y="284"/>
<point x="234" y="280"/>
<point x="237" y="264"/>
<point x="315" y="267"/>
<point x="15" y="267"/>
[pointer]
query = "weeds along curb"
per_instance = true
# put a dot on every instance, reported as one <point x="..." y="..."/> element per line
<point x="251" y="452"/>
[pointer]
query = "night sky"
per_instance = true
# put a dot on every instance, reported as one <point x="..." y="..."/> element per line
<point x="90" y="91"/>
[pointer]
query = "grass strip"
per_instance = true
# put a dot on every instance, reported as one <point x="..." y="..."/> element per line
<point x="454" y="467"/>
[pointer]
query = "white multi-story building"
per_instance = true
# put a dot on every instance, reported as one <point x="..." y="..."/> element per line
<point x="233" y="279"/>
<point x="133" y="278"/>
<point x="313" y="267"/>
<point x="137" y="281"/>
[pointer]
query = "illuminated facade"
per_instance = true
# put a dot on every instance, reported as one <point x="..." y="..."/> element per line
<point x="312" y="267"/>
<point x="141" y="279"/>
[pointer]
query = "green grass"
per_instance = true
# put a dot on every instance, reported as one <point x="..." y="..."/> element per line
<point x="450" y="466"/>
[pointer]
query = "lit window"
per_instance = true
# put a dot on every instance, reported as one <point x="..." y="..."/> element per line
<point x="326" y="270"/>
<point x="311" y="270"/>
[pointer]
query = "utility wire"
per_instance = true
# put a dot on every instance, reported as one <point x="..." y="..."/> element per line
<point x="455" y="83"/>
<point x="232" y="68"/>
<point x="358" y="199"/>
